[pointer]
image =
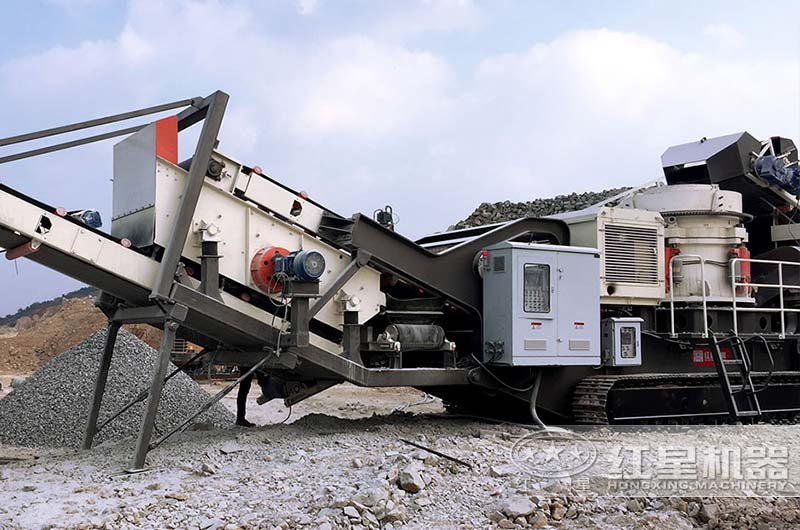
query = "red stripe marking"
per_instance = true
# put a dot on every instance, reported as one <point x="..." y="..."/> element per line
<point x="167" y="139"/>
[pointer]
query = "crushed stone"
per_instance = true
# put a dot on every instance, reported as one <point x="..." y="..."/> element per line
<point x="49" y="409"/>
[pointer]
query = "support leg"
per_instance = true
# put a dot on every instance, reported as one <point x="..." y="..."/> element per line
<point x="209" y="270"/>
<point x="351" y="338"/>
<point x="100" y="384"/>
<point x="154" y="396"/>
<point x="299" y="320"/>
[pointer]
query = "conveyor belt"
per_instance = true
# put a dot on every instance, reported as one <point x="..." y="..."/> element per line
<point x="451" y="273"/>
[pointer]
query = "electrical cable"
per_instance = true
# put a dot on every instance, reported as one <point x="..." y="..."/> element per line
<point x="513" y="389"/>
<point x="533" y="389"/>
<point x="426" y="399"/>
<point x="287" y="417"/>
<point x="486" y="419"/>
<point x="534" y="394"/>
<point x="674" y="341"/>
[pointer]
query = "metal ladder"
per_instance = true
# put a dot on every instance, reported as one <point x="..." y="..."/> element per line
<point x="742" y="399"/>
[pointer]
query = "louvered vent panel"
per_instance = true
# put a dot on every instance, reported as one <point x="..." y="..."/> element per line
<point x="631" y="254"/>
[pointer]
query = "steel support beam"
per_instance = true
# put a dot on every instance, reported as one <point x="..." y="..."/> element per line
<point x="96" y="122"/>
<point x="207" y="405"/>
<point x="143" y="394"/>
<point x="363" y="376"/>
<point x="214" y="113"/>
<point x="299" y="320"/>
<point x="100" y="383"/>
<point x="209" y="270"/>
<point x="452" y="272"/>
<point x="351" y="337"/>
<point x="359" y="260"/>
<point x="198" y="111"/>
<point x="149" y="314"/>
<point x="154" y="396"/>
<point x="215" y="319"/>
<point x="70" y="144"/>
<point x="307" y="392"/>
<point x="55" y="131"/>
<point x="287" y="361"/>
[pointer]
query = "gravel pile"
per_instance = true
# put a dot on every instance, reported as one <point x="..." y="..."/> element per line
<point x="498" y="212"/>
<point x="49" y="409"/>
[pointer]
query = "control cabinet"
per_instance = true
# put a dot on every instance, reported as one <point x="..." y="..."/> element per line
<point x="622" y="341"/>
<point x="541" y="305"/>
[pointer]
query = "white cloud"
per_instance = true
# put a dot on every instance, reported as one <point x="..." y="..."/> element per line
<point x="390" y="122"/>
<point x="133" y="48"/>
<point x="450" y="14"/>
<point x="358" y="87"/>
<point x="595" y="109"/>
<point x="307" y="7"/>
<point x="725" y="35"/>
<point x="421" y="16"/>
<point x="75" y="5"/>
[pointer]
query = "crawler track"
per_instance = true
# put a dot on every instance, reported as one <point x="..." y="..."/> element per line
<point x="602" y="399"/>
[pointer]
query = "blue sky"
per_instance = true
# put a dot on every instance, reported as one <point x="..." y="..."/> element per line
<point x="432" y="106"/>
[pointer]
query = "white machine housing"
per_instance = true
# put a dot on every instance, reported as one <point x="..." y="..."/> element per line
<point x="238" y="210"/>
<point x="701" y="220"/>
<point x="541" y="305"/>
<point x="631" y="245"/>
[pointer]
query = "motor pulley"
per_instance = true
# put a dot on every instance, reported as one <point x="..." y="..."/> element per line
<point x="262" y="268"/>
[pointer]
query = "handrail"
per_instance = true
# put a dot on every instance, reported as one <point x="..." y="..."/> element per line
<point x="780" y="286"/>
<point x="696" y="259"/>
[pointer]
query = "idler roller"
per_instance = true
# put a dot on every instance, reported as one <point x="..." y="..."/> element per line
<point x="416" y="336"/>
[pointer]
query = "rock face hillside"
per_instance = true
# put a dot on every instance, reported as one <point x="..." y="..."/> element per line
<point x="34" y="339"/>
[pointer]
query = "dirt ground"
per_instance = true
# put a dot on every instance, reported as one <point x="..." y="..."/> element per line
<point x="340" y="461"/>
<point x="342" y="401"/>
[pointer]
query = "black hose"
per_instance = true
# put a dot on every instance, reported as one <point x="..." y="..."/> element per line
<point x="513" y="389"/>
<point x="665" y="339"/>
<point x="533" y="389"/>
<point x="534" y="394"/>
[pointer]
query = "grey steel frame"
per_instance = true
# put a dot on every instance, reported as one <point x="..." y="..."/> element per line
<point x="201" y="314"/>
<point x="211" y="110"/>
<point x="175" y="305"/>
<point x="22" y="138"/>
<point x="165" y="309"/>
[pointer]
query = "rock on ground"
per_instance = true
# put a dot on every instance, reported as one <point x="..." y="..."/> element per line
<point x="49" y="409"/>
